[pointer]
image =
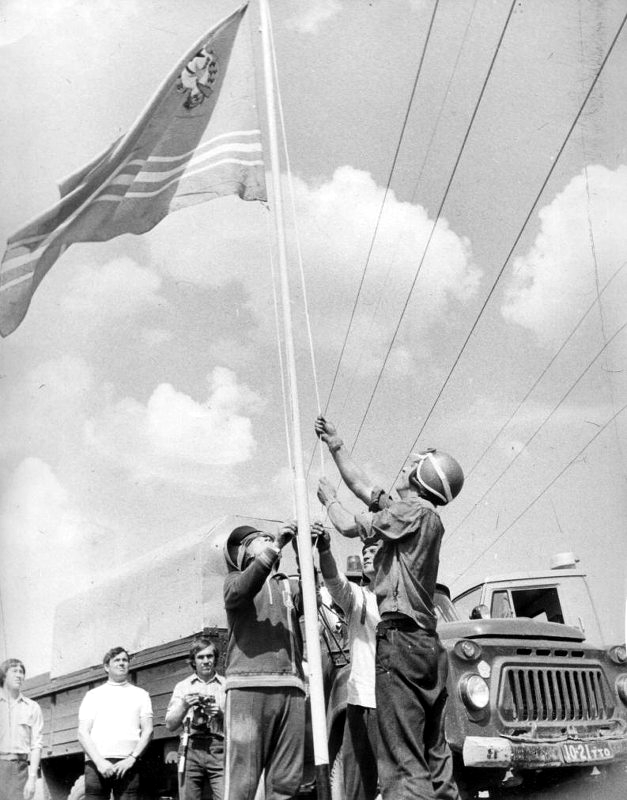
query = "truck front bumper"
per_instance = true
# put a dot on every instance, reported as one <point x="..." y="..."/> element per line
<point x="500" y="753"/>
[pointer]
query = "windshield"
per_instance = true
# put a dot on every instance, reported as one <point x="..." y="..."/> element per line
<point x="444" y="609"/>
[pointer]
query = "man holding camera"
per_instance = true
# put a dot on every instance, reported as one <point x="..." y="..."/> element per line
<point x="197" y="709"/>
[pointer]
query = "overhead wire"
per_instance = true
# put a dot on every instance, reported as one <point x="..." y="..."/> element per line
<point x="380" y="213"/>
<point x="554" y="163"/>
<point x="554" y="358"/>
<point x="437" y="218"/>
<point x="539" y="428"/>
<point x="435" y="127"/>
<point x="542" y="493"/>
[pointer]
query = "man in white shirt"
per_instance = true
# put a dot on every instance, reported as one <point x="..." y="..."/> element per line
<point x="359" y="604"/>
<point x="114" y="728"/>
<point x="21" y="725"/>
<point x="197" y="706"/>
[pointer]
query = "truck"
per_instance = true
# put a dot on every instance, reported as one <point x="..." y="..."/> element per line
<point x="526" y="697"/>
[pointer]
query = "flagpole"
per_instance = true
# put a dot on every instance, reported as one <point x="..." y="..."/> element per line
<point x="316" y="689"/>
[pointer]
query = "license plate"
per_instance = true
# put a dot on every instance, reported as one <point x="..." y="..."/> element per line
<point x="581" y="752"/>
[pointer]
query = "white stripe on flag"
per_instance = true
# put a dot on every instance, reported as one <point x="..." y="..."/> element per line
<point x="208" y="143"/>
<point x="138" y="195"/>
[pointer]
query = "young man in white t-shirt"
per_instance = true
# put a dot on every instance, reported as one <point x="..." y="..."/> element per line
<point x="359" y="604"/>
<point x="114" y="728"/>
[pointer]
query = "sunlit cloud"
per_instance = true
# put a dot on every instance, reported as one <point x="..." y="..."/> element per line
<point x="40" y="525"/>
<point x="581" y="243"/>
<point x="175" y="438"/>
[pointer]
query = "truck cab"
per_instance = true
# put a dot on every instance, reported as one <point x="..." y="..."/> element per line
<point x="558" y="594"/>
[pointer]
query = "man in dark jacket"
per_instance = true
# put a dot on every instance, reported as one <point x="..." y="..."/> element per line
<point x="265" y="685"/>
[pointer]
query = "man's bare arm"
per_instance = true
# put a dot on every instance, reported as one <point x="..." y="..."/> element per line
<point x="343" y="520"/>
<point x="353" y="475"/>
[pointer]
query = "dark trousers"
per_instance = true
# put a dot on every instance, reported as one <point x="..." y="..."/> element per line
<point x="97" y="787"/>
<point x="413" y="756"/>
<point x="360" y="753"/>
<point x="13" y="775"/>
<point x="204" y="766"/>
<point x="265" y="730"/>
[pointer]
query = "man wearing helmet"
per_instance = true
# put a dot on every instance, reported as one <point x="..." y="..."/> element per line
<point x="265" y="684"/>
<point x="411" y="665"/>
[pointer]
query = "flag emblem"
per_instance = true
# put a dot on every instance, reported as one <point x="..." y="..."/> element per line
<point x="198" y="77"/>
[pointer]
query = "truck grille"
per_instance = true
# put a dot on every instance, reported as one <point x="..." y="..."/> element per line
<point x="562" y="694"/>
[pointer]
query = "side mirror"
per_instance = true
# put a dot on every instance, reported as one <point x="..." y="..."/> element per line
<point x="480" y="612"/>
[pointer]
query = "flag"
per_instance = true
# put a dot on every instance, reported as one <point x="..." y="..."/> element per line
<point x="198" y="139"/>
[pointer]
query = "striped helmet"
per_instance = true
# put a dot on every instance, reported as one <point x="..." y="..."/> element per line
<point x="438" y="474"/>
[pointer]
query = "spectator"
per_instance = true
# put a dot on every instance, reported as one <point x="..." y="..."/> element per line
<point x="197" y="707"/>
<point x="114" y="728"/>
<point x="21" y="725"/>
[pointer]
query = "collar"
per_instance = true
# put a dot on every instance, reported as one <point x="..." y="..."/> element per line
<point x="195" y="678"/>
<point x="7" y="697"/>
<point x="217" y="678"/>
<point x="117" y="683"/>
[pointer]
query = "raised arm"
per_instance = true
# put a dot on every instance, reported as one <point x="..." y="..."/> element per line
<point x="343" y="520"/>
<point x="336" y="582"/>
<point x="353" y="476"/>
<point x="239" y="587"/>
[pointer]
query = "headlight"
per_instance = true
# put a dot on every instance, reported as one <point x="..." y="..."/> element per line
<point x="621" y="688"/>
<point x="468" y="650"/>
<point x="474" y="691"/>
<point x="618" y="654"/>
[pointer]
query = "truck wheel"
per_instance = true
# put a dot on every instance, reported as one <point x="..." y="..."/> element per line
<point x="77" y="792"/>
<point x="336" y="776"/>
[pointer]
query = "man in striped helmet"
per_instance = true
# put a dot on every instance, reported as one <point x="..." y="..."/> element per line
<point x="413" y="757"/>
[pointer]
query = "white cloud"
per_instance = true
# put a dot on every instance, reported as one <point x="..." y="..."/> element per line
<point x="176" y="439"/>
<point x="41" y="527"/>
<point x="555" y="282"/>
<point x="311" y="15"/>
<point x="115" y="290"/>
<point x="336" y="220"/>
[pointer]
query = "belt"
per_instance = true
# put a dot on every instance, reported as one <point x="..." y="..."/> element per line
<point x="399" y="623"/>
<point x="13" y="757"/>
<point x="202" y="742"/>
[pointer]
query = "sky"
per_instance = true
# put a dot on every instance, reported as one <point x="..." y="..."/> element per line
<point x="141" y="397"/>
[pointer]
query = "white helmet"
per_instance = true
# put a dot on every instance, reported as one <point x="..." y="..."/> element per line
<point x="438" y="474"/>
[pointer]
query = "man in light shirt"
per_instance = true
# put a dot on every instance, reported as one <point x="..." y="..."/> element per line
<point x="21" y="725"/>
<point x="359" y="604"/>
<point x="197" y="707"/>
<point x="114" y="728"/>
